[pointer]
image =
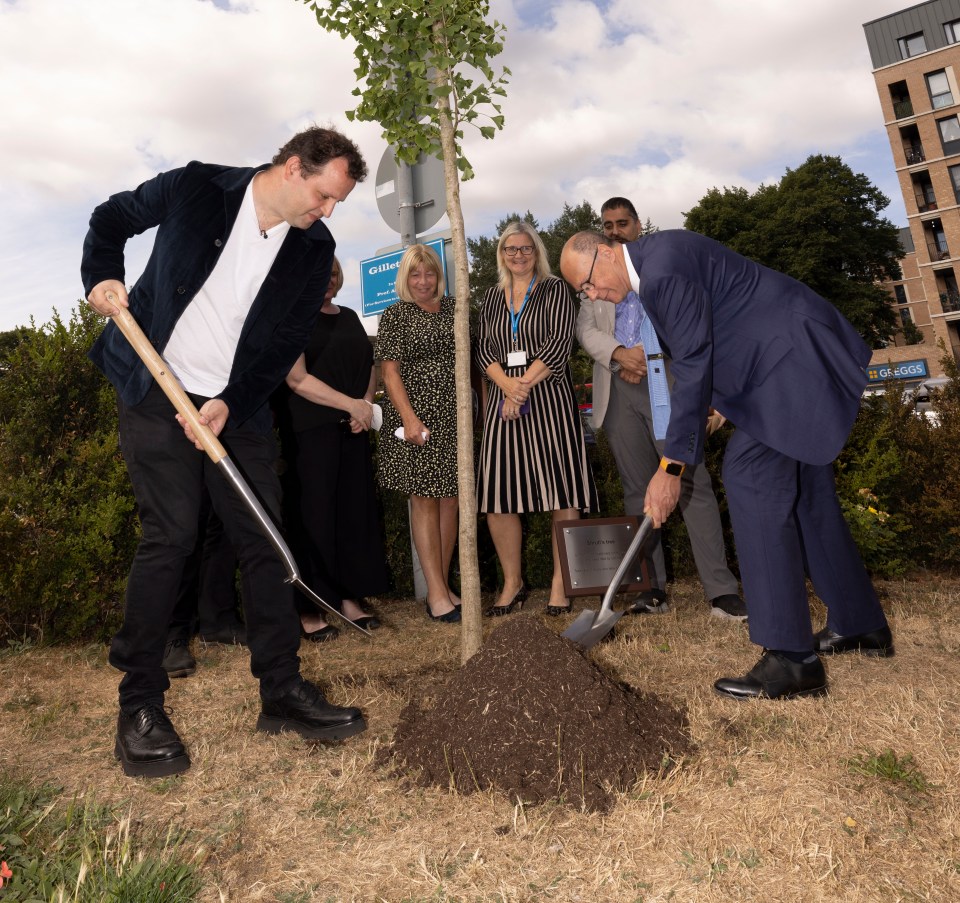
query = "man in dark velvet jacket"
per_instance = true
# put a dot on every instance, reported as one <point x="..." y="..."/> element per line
<point x="230" y="294"/>
<point x="787" y="370"/>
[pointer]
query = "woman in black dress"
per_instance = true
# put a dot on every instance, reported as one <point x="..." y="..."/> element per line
<point x="331" y="409"/>
<point x="533" y="455"/>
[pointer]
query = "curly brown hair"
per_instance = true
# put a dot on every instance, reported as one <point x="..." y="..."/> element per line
<point x="316" y="147"/>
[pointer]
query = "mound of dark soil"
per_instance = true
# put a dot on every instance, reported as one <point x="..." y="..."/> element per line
<point x="530" y="716"/>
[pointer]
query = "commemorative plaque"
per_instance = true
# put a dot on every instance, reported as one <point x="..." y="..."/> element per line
<point x="591" y="551"/>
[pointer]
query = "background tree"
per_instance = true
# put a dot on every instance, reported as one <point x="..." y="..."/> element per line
<point x="912" y="334"/>
<point x="426" y="72"/>
<point x="822" y="225"/>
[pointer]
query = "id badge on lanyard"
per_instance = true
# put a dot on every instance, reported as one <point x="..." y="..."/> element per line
<point x="518" y="357"/>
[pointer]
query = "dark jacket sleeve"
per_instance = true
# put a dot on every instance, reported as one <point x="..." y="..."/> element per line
<point x="124" y="215"/>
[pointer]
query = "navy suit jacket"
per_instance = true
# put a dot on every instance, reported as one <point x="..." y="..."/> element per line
<point x="775" y="358"/>
<point x="195" y="208"/>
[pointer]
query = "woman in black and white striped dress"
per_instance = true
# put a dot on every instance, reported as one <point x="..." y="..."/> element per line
<point x="533" y="456"/>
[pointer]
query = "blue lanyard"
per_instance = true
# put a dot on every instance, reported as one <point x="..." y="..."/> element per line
<point x="515" y="317"/>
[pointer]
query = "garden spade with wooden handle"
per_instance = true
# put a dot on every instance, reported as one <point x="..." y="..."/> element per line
<point x="215" y="451"/>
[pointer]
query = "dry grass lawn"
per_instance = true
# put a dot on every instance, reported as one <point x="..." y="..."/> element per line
<point x="804" y="800"/>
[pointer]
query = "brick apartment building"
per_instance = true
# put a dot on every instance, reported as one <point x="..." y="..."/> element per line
<point x="916" y="66"/>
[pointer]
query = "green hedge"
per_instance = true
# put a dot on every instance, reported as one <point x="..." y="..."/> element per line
<point x="67" y="521"/>
<point x="68" y="524"/>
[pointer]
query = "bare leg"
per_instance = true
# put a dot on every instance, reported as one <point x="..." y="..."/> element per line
<point x="558" y="598"/>
<point x="449" y="525"/>
<point x="312" y="622"/>
<point x="506" y="532"/>
<point x="352" y="610"/>
<point x="425" y="514"/>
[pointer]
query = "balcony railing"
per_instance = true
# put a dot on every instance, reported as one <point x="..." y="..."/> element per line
<point x="938" y="253"/>
<point x="902" y="109"/>
<point x="914" y="154"/>
<point x="950" y="302"/>
<point x="926" y="207"/>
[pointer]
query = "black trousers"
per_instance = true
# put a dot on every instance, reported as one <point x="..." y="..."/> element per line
<point x="168" y="476"/>
<point x="208" y="599"/>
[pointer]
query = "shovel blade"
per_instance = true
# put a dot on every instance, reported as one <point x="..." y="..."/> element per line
<point x="313" y="597"/>
<point x="590" y="627"/>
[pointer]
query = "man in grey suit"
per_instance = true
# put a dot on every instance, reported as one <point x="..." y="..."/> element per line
<point x="621" y="405"/>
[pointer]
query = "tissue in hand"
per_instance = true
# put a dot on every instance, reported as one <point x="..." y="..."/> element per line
<point x="398" y="432"/>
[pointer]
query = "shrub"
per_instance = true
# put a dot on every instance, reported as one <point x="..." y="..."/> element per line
<point x="67" y="521"/>
<point x="910" y="468"/>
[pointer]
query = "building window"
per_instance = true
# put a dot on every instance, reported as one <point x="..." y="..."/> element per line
<point x="900" y="98"/>
<point x="923" y="190"/>
<point x="911" y="45"/>
<point x="936" y="240"/>
<point x="949" y="134"/>
<point x="952" y="31"/>
<point x="900" y="292"/>
<point x="905" y="316"/>
<point x="939" y="88"/>
<point x="955" y="181"/>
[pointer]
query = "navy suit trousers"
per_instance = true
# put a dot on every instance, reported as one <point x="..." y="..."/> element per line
<point x="168" y="475"/>
<point x="788" y="525"/>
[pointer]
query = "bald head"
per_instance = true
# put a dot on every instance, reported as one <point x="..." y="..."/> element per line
<point x="593" y="264"/>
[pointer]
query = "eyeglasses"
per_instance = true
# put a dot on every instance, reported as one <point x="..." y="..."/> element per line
<point x="513" y="250"/>
<point x="582" y="294"/>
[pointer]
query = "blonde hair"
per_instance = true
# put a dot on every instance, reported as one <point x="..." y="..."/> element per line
<point x="413" y="257"/>
<point x="336" y="276"/>
<point x="541" y="266"/>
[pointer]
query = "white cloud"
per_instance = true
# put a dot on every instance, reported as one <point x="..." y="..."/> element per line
<point x="656" y="101"/>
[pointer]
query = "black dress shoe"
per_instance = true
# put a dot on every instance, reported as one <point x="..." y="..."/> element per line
<point x="148" y="744"/>
<point x="367" y="622"/>
<point x="304" y="710"/>
<point x="178" y="661"/>
<point x="776" y="677"/>
<point x="451" y="617"/>
<point x="878" y="643"/>
<point x="322" y="635"/>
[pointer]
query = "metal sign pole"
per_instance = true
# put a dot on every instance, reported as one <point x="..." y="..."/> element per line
<point x="408" y="225"/>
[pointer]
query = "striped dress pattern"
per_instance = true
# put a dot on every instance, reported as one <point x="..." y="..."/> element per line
<point x="539" y="461"/>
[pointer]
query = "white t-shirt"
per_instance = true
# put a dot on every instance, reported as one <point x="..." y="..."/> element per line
<point x="204" y="341"/>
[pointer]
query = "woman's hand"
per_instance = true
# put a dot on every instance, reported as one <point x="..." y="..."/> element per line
<point x="515" y="389"/>
<point x="361" y="414"/>
<point x="511" y="410"/>
<point x="414" y="431"/>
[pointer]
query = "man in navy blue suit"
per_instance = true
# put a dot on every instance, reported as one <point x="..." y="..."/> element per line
<point x="787" y="370"/>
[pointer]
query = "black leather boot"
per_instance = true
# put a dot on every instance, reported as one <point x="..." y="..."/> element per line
<point x="148" y="745"/>
<point x="304" y="709"/>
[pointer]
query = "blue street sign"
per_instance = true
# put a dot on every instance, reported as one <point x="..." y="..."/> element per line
<point x="378" y="276"/>
<point x="877" y="373"/>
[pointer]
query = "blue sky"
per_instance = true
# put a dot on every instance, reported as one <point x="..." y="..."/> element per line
<point x="659" y="102"/>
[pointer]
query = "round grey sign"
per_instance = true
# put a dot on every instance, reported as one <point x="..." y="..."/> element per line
<point x="429" y="194"/>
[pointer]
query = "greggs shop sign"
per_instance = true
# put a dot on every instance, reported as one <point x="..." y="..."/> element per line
<point x="877" y="373"/>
